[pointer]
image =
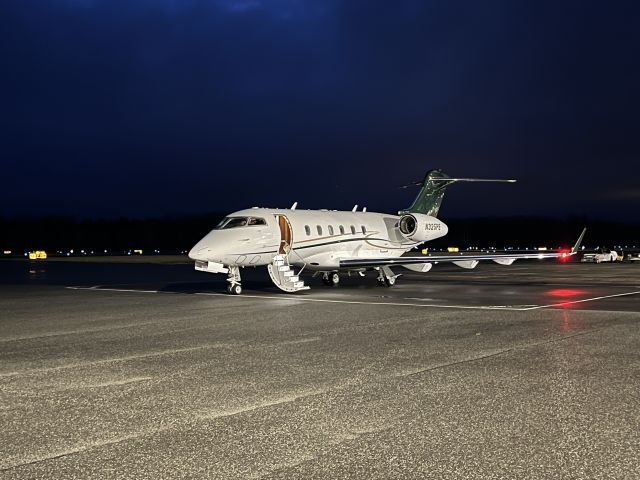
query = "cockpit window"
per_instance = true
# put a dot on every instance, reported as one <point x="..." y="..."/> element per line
<point x="257" y="221"/>
<point x="222" y="222"/>
<point x="235" y="222"/>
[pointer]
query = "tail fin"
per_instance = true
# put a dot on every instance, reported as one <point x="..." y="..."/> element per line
<point x="430" y="196"/>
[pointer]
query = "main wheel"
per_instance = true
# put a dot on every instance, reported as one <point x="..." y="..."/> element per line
<point x="234" y="289"/>
<point x="381" y="282"/>
<point x="331" y="279"/>
<point x="390" y="281"/>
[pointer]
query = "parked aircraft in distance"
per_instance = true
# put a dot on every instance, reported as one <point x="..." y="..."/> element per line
<point x="330" y="242"/>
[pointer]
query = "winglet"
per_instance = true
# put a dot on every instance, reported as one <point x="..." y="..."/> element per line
<point x="575" y="248"/>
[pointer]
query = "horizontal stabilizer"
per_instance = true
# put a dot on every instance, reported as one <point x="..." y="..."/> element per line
<point x="499" y="180"/>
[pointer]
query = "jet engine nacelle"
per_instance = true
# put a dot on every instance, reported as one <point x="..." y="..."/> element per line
<point x="420" y="228"/>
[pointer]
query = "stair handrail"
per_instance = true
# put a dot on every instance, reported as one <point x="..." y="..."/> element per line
<point x="289" y="250"/>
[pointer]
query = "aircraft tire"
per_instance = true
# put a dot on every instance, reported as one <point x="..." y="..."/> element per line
<point x="390" y="282"/>
<point x="235" y="289"/>
<point x="331" y="279"/>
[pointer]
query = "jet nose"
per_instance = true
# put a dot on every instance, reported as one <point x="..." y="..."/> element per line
<point x="199" y="252"/>
<point x="194" y="254"/>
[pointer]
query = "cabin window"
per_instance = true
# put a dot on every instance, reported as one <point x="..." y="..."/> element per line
<point x="307" y="230"/>
<point x="353" y="230"/>
<point x="319" y="230"/>
<point x="330" y="230"/>
<point x="341" y="230"/>
<point x="364" y="230"/>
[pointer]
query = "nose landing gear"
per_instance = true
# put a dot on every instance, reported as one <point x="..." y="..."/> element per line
<point x="233" y="277"/>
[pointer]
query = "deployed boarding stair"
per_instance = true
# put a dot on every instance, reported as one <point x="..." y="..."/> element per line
<point x="283" y="275"/>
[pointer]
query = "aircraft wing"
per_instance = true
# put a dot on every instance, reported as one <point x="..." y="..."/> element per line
<point x="504" y="258"/>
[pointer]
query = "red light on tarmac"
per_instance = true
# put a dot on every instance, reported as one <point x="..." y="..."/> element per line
<point x="565" y="255"/>
<point x="566" y="292"/>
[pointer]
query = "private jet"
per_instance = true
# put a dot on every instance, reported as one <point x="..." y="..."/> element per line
<point x="331" y="242"/>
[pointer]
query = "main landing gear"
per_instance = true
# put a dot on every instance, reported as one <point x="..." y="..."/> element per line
<point x="386" y="278"/>
<point x="331" y="279"/>
<point x="233" y="277"/>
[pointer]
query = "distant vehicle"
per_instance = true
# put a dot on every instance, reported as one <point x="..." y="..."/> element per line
<point x="600" y="255"/>
<point x="37" y="255"/>
<point x="633" y="257"/>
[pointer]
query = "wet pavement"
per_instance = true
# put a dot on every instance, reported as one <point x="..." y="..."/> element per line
<point x="151" y="371"/>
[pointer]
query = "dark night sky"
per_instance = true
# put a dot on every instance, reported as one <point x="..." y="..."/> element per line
<point x="164" y="107"/>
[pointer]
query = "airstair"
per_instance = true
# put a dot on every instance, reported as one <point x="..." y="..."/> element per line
<point x="283" y="275"/>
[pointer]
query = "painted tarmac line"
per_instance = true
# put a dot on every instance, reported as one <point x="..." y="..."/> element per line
<point x="97" y="288"/>
<point x="359" y="302"/>
<point x="303" y="299"/>
<point x="592" y="299"/>
<point x="506" y="308"/>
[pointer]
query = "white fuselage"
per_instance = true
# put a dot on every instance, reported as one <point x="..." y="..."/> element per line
<point x="318" y="239"/>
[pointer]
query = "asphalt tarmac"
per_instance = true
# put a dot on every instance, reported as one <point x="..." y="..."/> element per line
<point x="151" y="371"/>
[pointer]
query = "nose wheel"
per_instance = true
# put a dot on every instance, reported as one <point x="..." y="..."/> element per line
<point x="233" y="277"/>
